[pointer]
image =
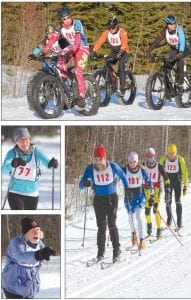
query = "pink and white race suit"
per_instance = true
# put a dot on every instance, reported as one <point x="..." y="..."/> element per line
<point x="79" y="48"/>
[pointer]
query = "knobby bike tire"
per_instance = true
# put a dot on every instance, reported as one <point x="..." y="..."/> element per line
<point x="133" y="88"/>
<point x="97" y="74"/>
<point x="92" y="92"/>
<point x="178" y="98"/>
<point x="33" y="79"/>
<point x="149" y="87"/>
<point x="48" y="78"/>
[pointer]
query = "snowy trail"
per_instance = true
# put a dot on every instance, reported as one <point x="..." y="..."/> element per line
<point x="128" y="277"/>
<point x="15" y="109"/>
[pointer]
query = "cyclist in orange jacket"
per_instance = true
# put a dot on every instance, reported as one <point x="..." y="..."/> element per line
<point x="117" y="39"/>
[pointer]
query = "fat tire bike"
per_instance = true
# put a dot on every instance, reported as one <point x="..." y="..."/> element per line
<point x="162" y="85"/>
<point x="109" y="83"/>
<point x="48" y="94"/>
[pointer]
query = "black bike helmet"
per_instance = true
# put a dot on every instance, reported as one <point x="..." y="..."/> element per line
<point x="171" y="19"/>
<point x="49" y="29"/>
<point x="64" y="12"/>
<point x="113" y="23"/>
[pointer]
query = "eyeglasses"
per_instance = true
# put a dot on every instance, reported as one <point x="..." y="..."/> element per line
<point x="66" y="18"/>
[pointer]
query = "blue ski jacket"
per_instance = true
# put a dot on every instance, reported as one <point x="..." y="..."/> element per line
<point x="138" y="199"/>
<point x="106" y="189"/>
<point x="21" y="271"/>
<point x="23" y="185"/>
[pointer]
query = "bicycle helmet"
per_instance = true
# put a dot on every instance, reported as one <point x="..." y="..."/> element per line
<point x="49" y="29"/>
<point x="64" y="12"/>
<point x="171" y="19"/>
<point x="113" y="23"/>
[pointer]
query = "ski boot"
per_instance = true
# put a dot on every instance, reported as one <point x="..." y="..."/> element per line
<point x="100" y="254"/>
<point x="116" y="255"/>
<point x="158" y="235"/>
<point x="133" y="238"/>
<point x="149" y="228"/>
<point x="141" y="243"/>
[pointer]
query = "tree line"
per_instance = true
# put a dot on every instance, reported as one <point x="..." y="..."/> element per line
<point x="119" y="141"/>
<point x="23" y="25"/>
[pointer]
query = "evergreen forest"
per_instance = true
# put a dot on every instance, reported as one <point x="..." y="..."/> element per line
<point x="23" y="25"/>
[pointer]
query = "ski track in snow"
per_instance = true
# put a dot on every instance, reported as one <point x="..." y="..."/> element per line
<point x="18" y="109"/>
<point x="154" y="274"/>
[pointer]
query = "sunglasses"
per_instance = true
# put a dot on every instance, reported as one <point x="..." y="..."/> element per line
<point x="66" y="18"/>
<point x="112" y="27"/>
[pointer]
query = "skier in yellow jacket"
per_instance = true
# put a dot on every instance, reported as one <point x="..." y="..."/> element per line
<point x="176" y="169"/>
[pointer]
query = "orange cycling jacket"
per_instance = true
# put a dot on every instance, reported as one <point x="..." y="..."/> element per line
<point x="122" y="44"/>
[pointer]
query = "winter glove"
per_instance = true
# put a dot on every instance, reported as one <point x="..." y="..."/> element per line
<point x="151" y="200"/>
<point x="128" y="194"/>
<point x="31" y="56"/>
<point x="87" y="183"/>
<point x="44" y="253"/>
<point x="42" y="57"/>
<point x="53" y="163"/>
<point x="93" y="54"/>
<point x="167" y="195"/>
<point x="180" y="55"/>
<point x="17" y="161"/>
<point x="119" y="55"/>
<point x="148" y="53"/>
<point x="184" y="190"/>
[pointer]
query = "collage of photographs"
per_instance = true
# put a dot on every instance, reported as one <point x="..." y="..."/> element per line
<point x="95" y="150"/>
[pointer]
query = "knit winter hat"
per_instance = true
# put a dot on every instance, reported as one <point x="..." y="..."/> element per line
<point x="100" y="152"/>
<point x="133" y="157"/>
<point x="20" y="133"/>
<point x="172" y="148"/>
<point x="28" y="224"/>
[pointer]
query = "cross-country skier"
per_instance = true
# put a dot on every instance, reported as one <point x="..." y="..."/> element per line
<point x="179" y="45"/>
<point x="22" y="162"/>
<point x="101" y="176"/>
<point x="135" y="198"/>
<point x="117" y="39"/>
<point x="176" y="169"/>
<point x="155" y="172"/>
<point x="20" y="277"/>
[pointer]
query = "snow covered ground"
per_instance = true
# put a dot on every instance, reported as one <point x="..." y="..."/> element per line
<point x="162" y="270"/>
<point x="50" y="279"/>
<point x="51" y="146"/>
<point x="16" y="108"/>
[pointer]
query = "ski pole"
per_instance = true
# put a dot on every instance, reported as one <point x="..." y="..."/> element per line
<point x="86" y="203"/>
<point x="6" y="196"/>
<point x="171" y="230"/>
<point x="176" y="228"/>
<point x="52" y="188"/>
